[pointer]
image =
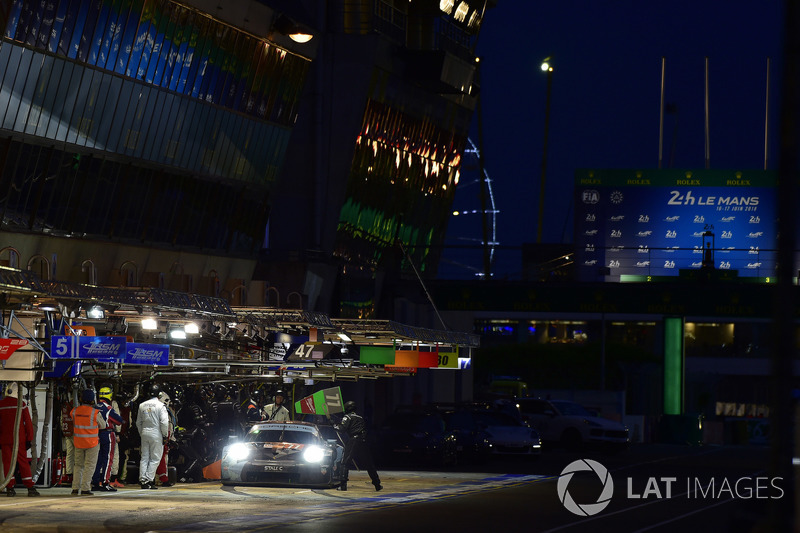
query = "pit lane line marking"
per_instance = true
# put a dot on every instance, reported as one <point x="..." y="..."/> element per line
<point x="684" y="515"/>
<point x="254" y="522"/>
<point x="68" y="496"/>
<point x="31" y="501"/>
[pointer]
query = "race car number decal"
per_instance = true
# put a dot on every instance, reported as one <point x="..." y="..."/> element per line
<point x="283" y="445"/>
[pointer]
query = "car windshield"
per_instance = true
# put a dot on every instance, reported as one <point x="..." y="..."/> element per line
<point x="281" y="435"/>
<point x="571" y="409"/>
<point x="328" y="433"/>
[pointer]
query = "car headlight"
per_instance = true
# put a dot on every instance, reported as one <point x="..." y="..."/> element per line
<point x="313" y="454"/>
<point x="239" y="451"/>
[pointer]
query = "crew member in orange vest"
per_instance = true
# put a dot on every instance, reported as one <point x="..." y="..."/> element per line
<point x="87" y="422"/>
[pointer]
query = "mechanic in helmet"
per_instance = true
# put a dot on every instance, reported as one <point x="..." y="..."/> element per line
<point x="253" y="407"/>
<point x="8" y="416"/>
<point x="153" y="425"/>
<point x="88" y="421"/>
<point x="276" y="411"/>
<point x="108" y="441"/>
<point x="356" y="447"/>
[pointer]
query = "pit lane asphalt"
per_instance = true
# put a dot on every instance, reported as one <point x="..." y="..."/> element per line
<point x="209" y="506"/>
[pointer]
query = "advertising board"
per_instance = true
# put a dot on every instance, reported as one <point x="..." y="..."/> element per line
<point x="656" y="223"/>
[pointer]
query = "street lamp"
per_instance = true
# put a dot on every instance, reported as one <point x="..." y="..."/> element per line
<point x="548" y="68"/>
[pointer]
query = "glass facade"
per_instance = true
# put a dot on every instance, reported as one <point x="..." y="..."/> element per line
<point x="401" y="187"/>
<point x="141" y="119"/>
<point x="167" y="45"/>
<point x="150" y="80"/>
<point x="58" y="192"/>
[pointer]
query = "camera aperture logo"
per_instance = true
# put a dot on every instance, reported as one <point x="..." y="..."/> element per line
<point x="586" y="509"/>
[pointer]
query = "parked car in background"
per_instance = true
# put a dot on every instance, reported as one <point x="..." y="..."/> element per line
<point x="415" y="437"/>
<point x="506" y="434"/>
<point x="572" y="426"/>
<point x="473" y="443"/>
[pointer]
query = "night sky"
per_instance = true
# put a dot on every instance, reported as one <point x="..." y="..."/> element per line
<point x="606" y="93"/>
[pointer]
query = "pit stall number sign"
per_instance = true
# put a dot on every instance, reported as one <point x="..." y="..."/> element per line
<point x="448" y="360"/>
<point x="108" y="350"/>
<point x="103" y="349"/>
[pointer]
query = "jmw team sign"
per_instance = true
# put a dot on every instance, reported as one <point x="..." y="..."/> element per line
<point x="657" y="222"/>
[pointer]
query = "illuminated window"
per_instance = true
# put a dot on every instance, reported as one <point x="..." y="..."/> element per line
<point x="447" y="6"/>
<point x="461" y="12"/>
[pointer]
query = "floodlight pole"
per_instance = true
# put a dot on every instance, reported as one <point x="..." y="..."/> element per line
<point x="549" y="69"/>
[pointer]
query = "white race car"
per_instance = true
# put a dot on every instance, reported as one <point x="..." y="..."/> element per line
<point x="283" y="454"/>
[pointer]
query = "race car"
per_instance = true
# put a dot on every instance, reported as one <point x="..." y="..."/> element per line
<point x="283" y="454"/>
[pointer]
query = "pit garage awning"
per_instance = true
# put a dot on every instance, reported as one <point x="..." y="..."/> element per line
<point x="225" y="343"/>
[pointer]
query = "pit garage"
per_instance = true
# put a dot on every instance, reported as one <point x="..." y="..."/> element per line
<point x="59" y="338"/>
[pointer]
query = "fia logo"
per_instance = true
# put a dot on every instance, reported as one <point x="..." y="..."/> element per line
<point x="591" y="196"/>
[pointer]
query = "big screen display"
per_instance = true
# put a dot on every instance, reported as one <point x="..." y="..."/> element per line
<point x="658" y="222"/>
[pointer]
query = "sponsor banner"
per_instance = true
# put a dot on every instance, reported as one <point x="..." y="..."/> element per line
<point x="415" y="359"/>
<point x="147" y="354"/>
<point x="659" y="222"/>
<point x="377" y="355"/>
<point x="102" y="349"/>
<point x="9" y="346"/>
<point x="401" y="369"/>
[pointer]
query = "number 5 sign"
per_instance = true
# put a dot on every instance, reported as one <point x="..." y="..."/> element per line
<point x="64" y="347"/>
<point x="105" y="349"/>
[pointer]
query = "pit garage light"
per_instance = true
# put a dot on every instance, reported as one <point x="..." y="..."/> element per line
<point x="96" y="312"/>
<point x="191" y="328"/>
<point x="313" y="454"/>
<point x="345" y="337"/>
<point x="177" y="333"/>
<point x="149" y="323"/>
